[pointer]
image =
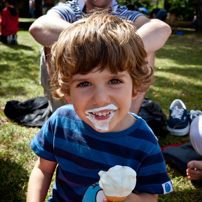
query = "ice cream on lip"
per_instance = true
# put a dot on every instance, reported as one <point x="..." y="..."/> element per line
<point x="118" y="181"/>
<point x="102" y="110"/>
<point x="100" y="117"/>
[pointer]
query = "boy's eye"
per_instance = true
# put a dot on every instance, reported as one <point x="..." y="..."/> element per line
<point x="115" y="81"/>
<point x="84" y="84"/>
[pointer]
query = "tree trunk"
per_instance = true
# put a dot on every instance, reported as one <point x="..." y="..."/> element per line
<point x="199" y="16"/>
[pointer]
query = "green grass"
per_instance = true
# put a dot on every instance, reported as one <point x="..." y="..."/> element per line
<point x="178" y="74"/>
<point x="27" y="19"/>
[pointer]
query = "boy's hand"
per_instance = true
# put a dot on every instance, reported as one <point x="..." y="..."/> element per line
<point x="105" y="200"/>
<point x="139" y="197"/>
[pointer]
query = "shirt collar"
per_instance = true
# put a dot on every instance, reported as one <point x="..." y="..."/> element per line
<point x="114" y="4"/>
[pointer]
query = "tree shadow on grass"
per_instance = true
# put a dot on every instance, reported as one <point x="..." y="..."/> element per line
<point x="13" y="179"/>
<point x="188" y="72"/>
<point x="184" y="87"/>
<point x="11" y="90"/>
<point x="17" y="67"/>
<point x="21" y="64"/>
<point x="19" y="47"/>
<point x="184" y="50"/>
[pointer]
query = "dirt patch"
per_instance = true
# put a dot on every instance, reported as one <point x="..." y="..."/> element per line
<point x="3" y="121"/>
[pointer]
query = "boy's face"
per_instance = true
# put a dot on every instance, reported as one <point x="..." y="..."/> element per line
<point x="103" y="99"/>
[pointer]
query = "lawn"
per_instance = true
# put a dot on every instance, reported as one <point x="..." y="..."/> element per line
<point x="178" y="74"/>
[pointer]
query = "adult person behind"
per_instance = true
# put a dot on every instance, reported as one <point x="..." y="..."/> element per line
<point x="9" y="23"/>
<point x="47" y="29"/>
<point x="194" y="168"/>
<point x="159" y="13"/>
<point x="32" y="8"/>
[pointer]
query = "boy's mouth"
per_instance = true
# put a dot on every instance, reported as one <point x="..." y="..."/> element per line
<point x="100" y="117"/>
<point x="102" y="112"/>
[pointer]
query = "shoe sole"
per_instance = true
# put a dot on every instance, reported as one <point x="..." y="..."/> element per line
<point x="179" y="132"/>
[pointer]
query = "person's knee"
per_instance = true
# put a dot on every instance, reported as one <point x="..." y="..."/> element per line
<point x="196" y="134"/>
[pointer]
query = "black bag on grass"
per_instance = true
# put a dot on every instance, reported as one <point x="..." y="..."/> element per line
<point x="32" y="112"/>
<point x="180" y="155"/>
<point x="152" y="113"/>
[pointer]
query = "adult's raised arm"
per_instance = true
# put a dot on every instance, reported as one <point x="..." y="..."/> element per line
<point x="47" y="28"/>
<point x="154" y="33"/>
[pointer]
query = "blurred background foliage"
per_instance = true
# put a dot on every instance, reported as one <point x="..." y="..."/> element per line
<point x="183" y="9"/>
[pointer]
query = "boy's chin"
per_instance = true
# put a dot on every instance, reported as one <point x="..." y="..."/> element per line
<point x="101" y="129"/>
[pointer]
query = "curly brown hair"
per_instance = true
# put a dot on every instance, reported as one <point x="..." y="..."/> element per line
<point x="99" y="41"/>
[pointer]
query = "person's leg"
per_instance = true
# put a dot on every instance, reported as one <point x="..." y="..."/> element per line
<point x="196" y="134"/>
<point x="162" y="15"/>
<point x="12" y="39"/>
<point x="136" y="104"/>
<point x="4" y="39"/>
<point x="194" y="168"/>
<point x="45" y="83"/>
<point x="31" y="11"/>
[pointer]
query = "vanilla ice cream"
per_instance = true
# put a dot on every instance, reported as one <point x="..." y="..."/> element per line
<point x="107" y="111"/>
<point x="118" y="181"/>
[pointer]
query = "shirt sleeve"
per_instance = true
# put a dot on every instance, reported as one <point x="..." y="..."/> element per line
<point x="65" y="11"/>
<point x="42" y="143"/>
<point x="127" y="14"/>
<point x="152" y="175"/>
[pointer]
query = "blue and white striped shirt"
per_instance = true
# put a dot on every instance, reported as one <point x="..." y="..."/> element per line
<point x="81" y="152"/>
<point x="72" y="11"/>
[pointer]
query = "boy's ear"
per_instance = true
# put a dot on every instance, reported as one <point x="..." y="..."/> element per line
<point x="135" y="93"/>
<point x="68" y="98"/>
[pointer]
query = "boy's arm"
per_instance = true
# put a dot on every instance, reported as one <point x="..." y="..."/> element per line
<point x="142" y="197"/>
<point x="40" y="180"/>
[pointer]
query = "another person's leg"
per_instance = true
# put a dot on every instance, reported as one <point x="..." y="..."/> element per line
<point x="31" y="11"/>
<point x="3" y="39"/>
<point x="45" y="83"/>
<point x="162" y="15"/>
<point x="136" y="104"/>
<point x="194" y="168"/>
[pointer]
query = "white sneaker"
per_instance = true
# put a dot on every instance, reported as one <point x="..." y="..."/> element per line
<point x="178" y="123"/>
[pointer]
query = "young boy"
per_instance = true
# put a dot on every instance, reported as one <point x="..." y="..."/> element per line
<point x="99" y="65"/>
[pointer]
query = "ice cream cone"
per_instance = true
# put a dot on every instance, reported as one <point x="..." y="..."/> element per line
<point x="116" y="199"/>
<point x="117" y="183"/>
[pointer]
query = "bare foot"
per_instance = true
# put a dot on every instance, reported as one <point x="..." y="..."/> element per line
<point x="194" y="170"/>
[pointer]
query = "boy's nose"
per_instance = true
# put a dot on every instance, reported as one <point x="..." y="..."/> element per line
<point x="101" y="96"/>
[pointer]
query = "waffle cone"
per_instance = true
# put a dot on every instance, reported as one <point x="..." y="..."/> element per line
<point x="116" y="199"/>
